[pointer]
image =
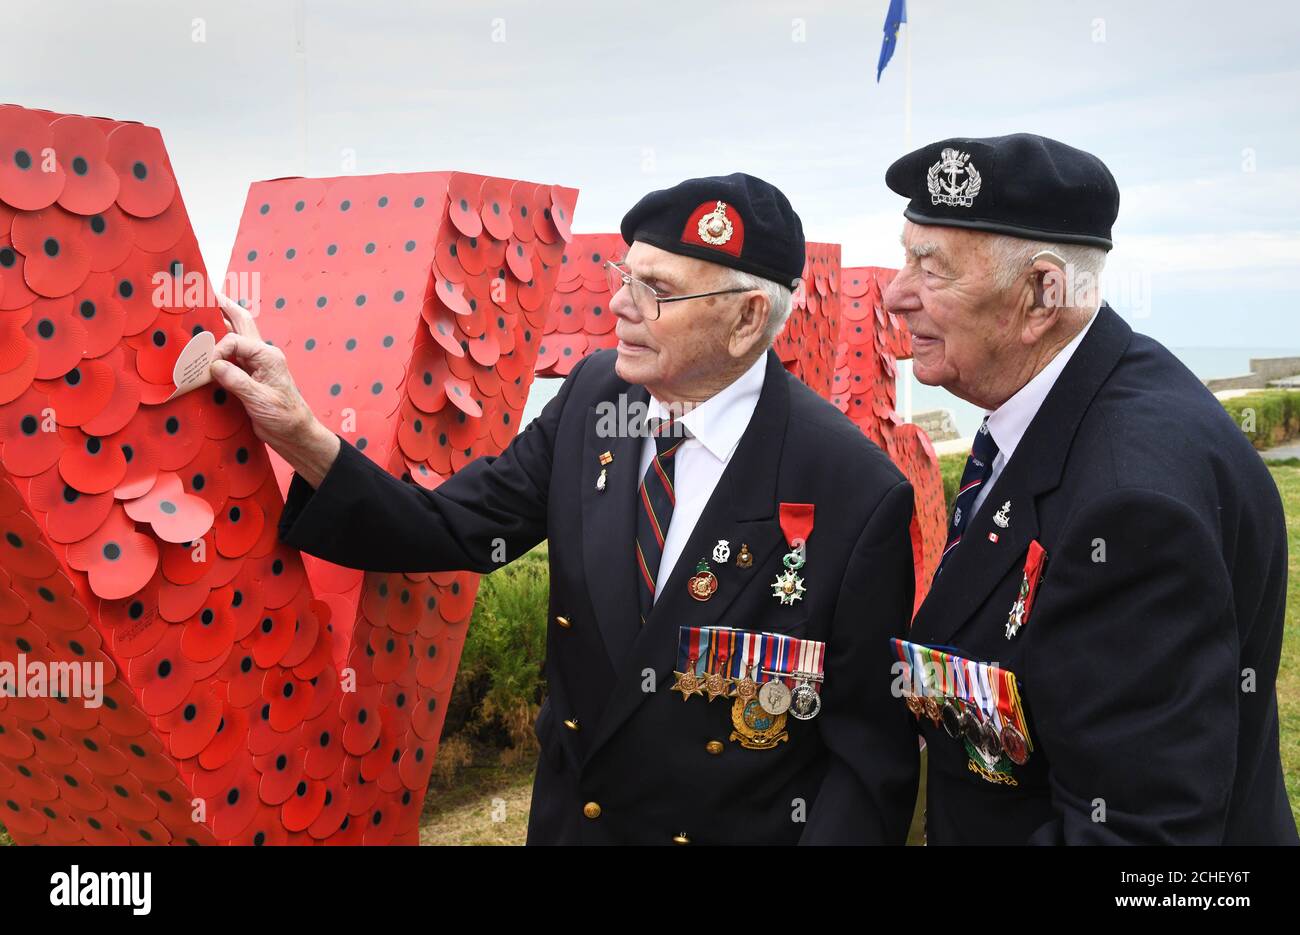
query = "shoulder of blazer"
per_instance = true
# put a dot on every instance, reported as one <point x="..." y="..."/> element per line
<point x="1165" y="429"/>
<point x="826" y="452"/>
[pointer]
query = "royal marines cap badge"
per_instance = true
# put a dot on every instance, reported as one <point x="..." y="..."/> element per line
<point x="715" y="227"/>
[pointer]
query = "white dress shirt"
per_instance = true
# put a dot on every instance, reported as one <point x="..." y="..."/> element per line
<point x="1009" y="422"/>
<point x="715" y="427"/>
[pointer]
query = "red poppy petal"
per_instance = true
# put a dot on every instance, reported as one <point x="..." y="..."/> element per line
<point x="30" y="176"/>
<point x="91" y="185"/>
<point x="137" y="154"/>
<point x="50" y="240"/>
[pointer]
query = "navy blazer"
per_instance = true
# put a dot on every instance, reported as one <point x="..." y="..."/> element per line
<point x="612" y="732"/>
<point x="1148" y="661"/>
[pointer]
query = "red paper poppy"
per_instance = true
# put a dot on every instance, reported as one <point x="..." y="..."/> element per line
<point x="137" y="154"/>
<point x="163" y="231"/>
<point x="459" y="394"/>
<point x="126" y="797"/>
<point x="175" y="515"/>
<point x="134" y="289"/>
<point x="522" y="198"/>
<point x="447" y="256"/>
<point x="210" y="633"/>
<point x="192" y="725"/>
<point x="15" y="347"/>
<point x="71" y="515"/>
<point x="563" y="201"/>
<point x="82" y="393"/>
<point x="442" y="327"/>
<point x="14" y="293"/>
<point x="288" y="697"/>
<point x="28" y="449"/>
<point x="99" y="313"/>
<point x="177" y="428"/>
<point x="238" y="527"/>
<point x="91" y="185"/>
<point x="362" y="719"/>
<point x="31" y="177"/>
<point x="235" y="805"/>
<point x="57" y="259"/>
<point x="158" y="346"/>
<point x="519" y="257"/>
<point x="463" y="200"/>
<point x="118" y="560"/>
<point x="227" y="740"/>
<point x="107" y="238"/>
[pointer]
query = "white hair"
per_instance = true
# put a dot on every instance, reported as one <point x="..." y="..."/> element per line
<point x="1012" y="256"/>
<point x="779" y="299"/>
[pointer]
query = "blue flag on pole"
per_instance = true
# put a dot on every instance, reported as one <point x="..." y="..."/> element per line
<point x="896" y="16"/>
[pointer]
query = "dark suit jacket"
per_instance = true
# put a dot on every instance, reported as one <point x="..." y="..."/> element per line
<point x="848" y="775"/>
<point x="1148" y="678"/>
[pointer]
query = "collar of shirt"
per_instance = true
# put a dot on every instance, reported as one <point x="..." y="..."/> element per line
<point x="1009" y="422"/>
<point x="719" y="421"/>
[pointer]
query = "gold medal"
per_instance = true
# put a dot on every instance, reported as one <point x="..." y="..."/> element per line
<point x="755" y="728"/>
<point x="746" y="689"/>
<point x="745" y="558"/>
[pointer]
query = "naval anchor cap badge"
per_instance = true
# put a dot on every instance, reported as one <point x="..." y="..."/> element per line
<point x="942" y="180"/>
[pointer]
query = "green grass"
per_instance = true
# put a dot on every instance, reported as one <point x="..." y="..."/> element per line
<point x="1287" y="476"/>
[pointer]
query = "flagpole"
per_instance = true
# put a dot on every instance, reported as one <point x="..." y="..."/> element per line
<point x="907" y="148"/>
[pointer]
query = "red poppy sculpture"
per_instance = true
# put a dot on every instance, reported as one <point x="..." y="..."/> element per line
<point x="170" y="673"/>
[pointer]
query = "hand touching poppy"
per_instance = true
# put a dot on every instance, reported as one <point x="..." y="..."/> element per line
<point x="257" y="372"/>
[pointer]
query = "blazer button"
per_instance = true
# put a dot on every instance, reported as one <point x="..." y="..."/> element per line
<point x="571" y="723"/>
<point x="681" y="838"/>
<point x="591" y="809"/>
<point x="714" y="747"/>
<point x="563" y="622"/>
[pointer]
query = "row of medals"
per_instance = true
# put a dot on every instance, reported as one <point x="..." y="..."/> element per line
<point x="978" y="732"/>
<point x="774" y="696"/>
<point x="758" y="713"/>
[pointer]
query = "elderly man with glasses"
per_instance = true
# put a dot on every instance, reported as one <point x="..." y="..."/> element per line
<point x="729" y="555"/>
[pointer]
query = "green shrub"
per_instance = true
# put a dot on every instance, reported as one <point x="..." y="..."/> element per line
<point x="950" y="467"/>
<point x="499" y="686"/>
<point x="1268" y="417"/>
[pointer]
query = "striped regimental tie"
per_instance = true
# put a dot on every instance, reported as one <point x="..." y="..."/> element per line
<point x="656" y="498"/>
<point x="978" y="468"/>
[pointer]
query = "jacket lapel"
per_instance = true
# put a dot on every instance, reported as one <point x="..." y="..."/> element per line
<point x="609" y="526"/>
<point x="978" y="564"/>
<point x="741" y="509"/>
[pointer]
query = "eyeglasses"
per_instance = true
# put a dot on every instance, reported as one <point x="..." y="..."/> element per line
<point x="646" y="296"/>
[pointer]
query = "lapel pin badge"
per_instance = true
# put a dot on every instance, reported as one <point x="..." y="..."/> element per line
<point x="1003" y="516"/>
<point x="745" y="558"/>
<point x="722" y="551"/>
<point x="703" y="584"/>
<point x="605" y="459"/>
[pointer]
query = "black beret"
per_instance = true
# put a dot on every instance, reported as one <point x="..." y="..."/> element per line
<point x="734" y="220"/>
<point x="1023" y="185"/>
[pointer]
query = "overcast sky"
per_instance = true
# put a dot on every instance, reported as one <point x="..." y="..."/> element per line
<point x="1196" y="110"/>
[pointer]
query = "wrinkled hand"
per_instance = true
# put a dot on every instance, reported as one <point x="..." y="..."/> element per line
<point x="257" y="372"/>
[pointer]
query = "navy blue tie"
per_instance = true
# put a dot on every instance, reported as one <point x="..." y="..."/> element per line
<point x="978" y="468"/>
